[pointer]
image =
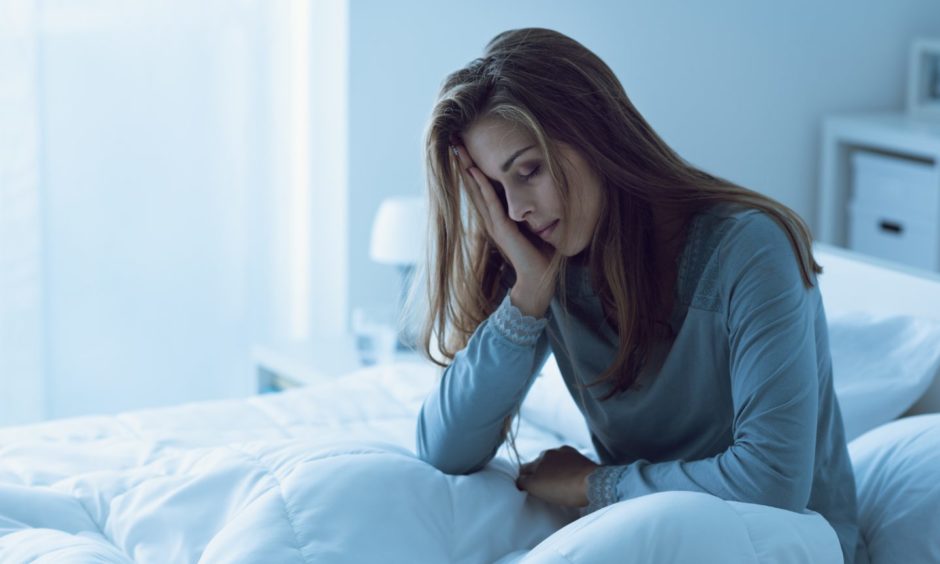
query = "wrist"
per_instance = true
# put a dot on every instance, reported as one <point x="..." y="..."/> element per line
<point x="531" y="300"/>
<point x="585" y="485"/>
<point x="513" y="324"/>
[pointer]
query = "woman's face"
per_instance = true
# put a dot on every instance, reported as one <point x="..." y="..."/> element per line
<point x="516" y="167"/>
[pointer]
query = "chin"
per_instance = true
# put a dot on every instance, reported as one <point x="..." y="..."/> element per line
<point x="571" y="250"/>
<point x="568" y="252"/>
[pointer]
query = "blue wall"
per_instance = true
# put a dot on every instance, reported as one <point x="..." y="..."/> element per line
<point x="737" y="87"/>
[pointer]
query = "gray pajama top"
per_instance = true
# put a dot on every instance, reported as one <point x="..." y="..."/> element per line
<point x="739" y="404"/>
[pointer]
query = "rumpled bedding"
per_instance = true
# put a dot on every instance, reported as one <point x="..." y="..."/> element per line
<point x="323" y="474"/>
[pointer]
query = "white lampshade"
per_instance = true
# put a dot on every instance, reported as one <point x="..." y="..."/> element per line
<point x="399" y="231"/>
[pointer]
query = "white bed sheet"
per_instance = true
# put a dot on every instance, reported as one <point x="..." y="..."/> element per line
<point x="319" y="474"/>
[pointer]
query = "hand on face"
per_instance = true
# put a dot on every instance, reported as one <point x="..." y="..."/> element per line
<point x="558" y="476"/>
<point x="528" y="256"/>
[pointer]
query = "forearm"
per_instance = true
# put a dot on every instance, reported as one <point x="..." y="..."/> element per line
<point x="737" y="474"/>
<point x="460" y="424"/>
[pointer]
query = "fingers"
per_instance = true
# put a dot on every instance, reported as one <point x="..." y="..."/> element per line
<point x="478" y="194"/>
<point x="471" y="184"/>
<point x="493" y="205"/>
<point x="484" y="196"/>
<point x="462" y="157"/>
<point x="525" y="473"/>
<point x="532" y="466"/>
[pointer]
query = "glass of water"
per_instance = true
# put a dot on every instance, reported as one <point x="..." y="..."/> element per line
<point x="376" y="334"/>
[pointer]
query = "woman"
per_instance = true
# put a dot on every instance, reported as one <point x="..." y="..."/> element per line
<point x="682" y="309"/>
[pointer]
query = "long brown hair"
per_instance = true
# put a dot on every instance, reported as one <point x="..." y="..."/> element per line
<point x="561" y="92"/>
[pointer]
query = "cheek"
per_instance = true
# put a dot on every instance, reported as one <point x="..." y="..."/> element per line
<point x="581" y="214"/>
<point x="546" y="199"/>
<point x="591" y="205"/>
<point x="585" y="212"/>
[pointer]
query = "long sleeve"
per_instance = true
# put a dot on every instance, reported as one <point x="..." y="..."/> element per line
<point x="773" y="383"/>
<point x="460" y="423"/>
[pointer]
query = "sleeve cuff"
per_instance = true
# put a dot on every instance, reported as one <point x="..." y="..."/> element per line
<point x="520" y="329"/>
<point x="602" y="487"/>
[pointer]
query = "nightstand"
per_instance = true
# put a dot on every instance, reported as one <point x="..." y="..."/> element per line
<point x="879" y="186"/>
<point x="289" y="364"/>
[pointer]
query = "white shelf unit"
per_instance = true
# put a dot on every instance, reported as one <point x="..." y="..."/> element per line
<point x="896" y="135"/>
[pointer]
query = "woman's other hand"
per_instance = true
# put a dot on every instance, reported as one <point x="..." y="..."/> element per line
<point x="531" y="260"/>
<point x="558" y="475"/>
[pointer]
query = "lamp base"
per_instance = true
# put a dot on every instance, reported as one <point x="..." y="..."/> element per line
<point x="407" y="340"/>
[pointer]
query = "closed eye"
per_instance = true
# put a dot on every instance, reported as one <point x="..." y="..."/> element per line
<point x="527" y="177"/>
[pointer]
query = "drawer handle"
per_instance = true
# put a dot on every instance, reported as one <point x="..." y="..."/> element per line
<point x="891" y="227"/>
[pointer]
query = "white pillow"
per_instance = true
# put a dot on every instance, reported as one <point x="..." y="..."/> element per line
<point x="897" y="474"/>
<point x="881" y="366"/>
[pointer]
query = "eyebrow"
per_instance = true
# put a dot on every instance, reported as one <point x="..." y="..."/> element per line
<point x="508" y="162"/>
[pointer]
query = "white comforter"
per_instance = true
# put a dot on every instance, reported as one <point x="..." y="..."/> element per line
<point x="320" y="474"/>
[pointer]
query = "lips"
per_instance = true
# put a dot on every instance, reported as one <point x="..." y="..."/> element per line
<point x="544" y="231"/>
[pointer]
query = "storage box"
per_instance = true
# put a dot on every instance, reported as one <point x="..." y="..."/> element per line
<point x="894" y="212"/>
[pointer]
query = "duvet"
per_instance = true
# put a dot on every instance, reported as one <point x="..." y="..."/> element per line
<point x="328" y="474"/>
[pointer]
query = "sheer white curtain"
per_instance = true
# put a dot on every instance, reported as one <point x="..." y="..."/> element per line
<point x="21" y="269"/>
<point x="158" y="184"/>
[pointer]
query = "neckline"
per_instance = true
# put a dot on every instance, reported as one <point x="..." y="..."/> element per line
<point x="682" y="260"/>
<point x="579" y="276"/>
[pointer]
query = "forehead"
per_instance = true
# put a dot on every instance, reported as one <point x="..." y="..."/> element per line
<point x="492" y="140"/>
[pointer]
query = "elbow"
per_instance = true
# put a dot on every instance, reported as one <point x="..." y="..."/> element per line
<point x="776" y="489"/>
<point x="444" y="459"/>
<point x="445" y="463"/>
<point x="449" y="467"/>
<point x="433" y="456"/>
<point x="783" y="500"/>
<point x="781" y="478"/>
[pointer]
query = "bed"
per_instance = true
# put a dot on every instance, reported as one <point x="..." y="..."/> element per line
<point x="327" y="473"/>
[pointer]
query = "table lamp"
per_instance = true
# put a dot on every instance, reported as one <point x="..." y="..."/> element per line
<point x="398" y="235"/>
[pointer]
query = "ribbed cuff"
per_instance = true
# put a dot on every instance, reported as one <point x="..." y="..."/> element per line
<point x="602" y="487"/>
<point x="520" y="329"/>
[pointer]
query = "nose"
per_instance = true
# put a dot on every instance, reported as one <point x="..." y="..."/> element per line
<point x="518" y="205"/>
